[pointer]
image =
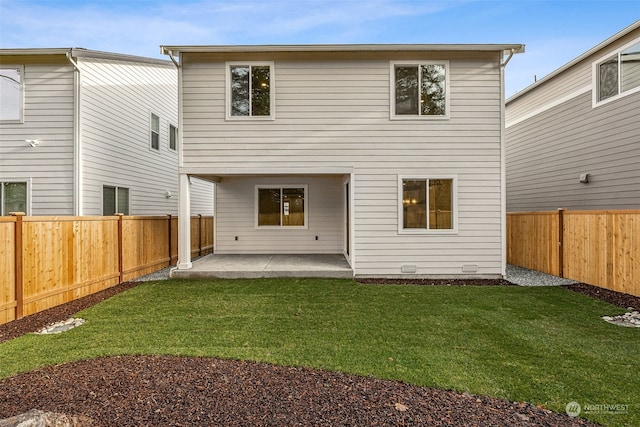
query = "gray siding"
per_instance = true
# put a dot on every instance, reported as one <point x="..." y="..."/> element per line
<point x="554" y="134"/>
<point x="336" y="114"/>
<point x="118" y="98"/>
<point x="547" y="154"/>
<point x="48" y="117"/>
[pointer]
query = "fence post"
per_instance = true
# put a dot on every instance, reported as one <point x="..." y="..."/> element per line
<point x="199" y="234"/>
<point x="120" y="247"/>
<point x="170" y="237"/>
<point x="19" y="279"/>
<point x="561" y="242"/>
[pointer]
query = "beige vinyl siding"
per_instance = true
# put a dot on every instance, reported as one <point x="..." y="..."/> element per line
<point x="547" y="153"/>
<point x="201" y="197"/>
<point x="48" y="117"/>
<point x="331" y="114"/>
<point x="235" y="216"/>
<point x="118" y="98"/>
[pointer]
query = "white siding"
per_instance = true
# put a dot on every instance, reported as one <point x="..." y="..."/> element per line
<point x="48" y="117"/>
<point x="235" y="216"/>
<point x="118" y="98"/>
<point x="201" y="197"/>
<point x="336" y="114"/>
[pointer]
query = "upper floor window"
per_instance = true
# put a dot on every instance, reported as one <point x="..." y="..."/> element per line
<point x="250" y="90"/>
<point x="115" y="200"/>
<point x="173" y="137"/>
<point x="420" y="89"/>
<point x="13" y="197"/>
<point x="428" y="204"/>
<point x="155" y="132"/>
<point x="11" y="93"/>
<point x="618" y="74"/>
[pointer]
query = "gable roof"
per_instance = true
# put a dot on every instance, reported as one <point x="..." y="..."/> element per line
<point x="575" y="61"/>
<point x="78" y="52"/>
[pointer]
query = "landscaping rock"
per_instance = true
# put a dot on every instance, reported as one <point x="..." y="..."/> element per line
<point x="38" y="418"/>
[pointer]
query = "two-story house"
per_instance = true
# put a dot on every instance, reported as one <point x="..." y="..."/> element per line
<point x="390" y="155"/>
<point x="573" y="137"/>
<point x="84" y="132"/>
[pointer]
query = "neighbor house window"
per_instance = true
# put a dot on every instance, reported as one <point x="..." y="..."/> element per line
<point x="115" y="200"/>
<point x="155" y="132"/>
<point x="618" y="74"/>
<point x="11" y="93"/>
<point x="13" y="196"/>
<point x="173" y="137"/>
<point x="428" y="204"/>
<point x="250" y="90"/>
<point x="281" y="206"/>
<point x="420" y="90"/>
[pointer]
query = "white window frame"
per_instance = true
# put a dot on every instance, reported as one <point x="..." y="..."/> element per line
<point x="152" y="131"/>
<point x="15" y="180"/>
<point x="21" y="100"/>
<point x="454" y="203"/>
<point x="305" y="187"/>
<point x="595" y="77"/>
<point x="272" y="89"/>
<point x="172" y="126"/>
<point x="392" y="88"/>
<point x="117" y="187"/>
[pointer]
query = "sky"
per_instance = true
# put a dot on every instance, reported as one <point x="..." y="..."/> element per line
<point x="554" y="32"/>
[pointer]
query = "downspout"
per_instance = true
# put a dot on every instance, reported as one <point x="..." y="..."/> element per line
<point x="503" y="172"/>
<point x="77" y="154"/>
<point x="184" y="186"/>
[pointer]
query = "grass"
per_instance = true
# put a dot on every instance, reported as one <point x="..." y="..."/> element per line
<point x="547" y="346"/>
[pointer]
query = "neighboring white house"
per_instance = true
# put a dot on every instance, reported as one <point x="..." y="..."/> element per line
<point x="84" y="132"/>
<point x="389" y="154"/>
<point x="573" y="137"/>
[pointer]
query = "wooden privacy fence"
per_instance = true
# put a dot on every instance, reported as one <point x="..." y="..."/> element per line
<point x="601" y="248"/>
<point x="48" y="261"/>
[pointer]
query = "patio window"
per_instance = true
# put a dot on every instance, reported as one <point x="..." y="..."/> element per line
<point x="250" y="93"/>
<point x="420" y="90"/>
<point x="618" y="74"/>
<point x="428" y="204"/>
<point x="281" y="206"/>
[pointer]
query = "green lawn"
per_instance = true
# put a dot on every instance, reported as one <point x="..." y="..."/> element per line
<point x="547" y="346"/>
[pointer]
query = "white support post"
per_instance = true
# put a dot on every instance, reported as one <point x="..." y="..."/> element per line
<point x="184" y="223"/>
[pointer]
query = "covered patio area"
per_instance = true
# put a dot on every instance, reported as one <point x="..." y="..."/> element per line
<point x="232" y="266"/>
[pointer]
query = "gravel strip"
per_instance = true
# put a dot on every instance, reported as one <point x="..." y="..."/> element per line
<point x="525" y="277"/>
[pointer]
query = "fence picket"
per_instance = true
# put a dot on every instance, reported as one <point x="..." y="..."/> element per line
<point x="47" y="261"/>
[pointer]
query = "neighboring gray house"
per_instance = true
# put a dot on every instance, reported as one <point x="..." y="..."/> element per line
<point x="573" y="137"/>
<point x="391" y="155"/>
<point x="84" y="132"/>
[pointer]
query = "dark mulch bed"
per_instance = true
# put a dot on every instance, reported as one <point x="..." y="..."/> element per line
<point x="191" y="391"/>
<point x="612" y="297"/>
<point x="39" y="320"/>
<point x="172" y="391"/>
<point x="438" y="282"/>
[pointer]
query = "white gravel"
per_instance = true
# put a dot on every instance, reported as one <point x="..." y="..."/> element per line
<point x="525" y="277"/>
<point x="517" y="275"/>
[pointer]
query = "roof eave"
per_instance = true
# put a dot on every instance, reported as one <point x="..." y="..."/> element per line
<point x="505" y="48"/>
<point x="575" y="61"/>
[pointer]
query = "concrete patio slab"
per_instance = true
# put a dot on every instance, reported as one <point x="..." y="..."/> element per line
<point x="257" y="266"/>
